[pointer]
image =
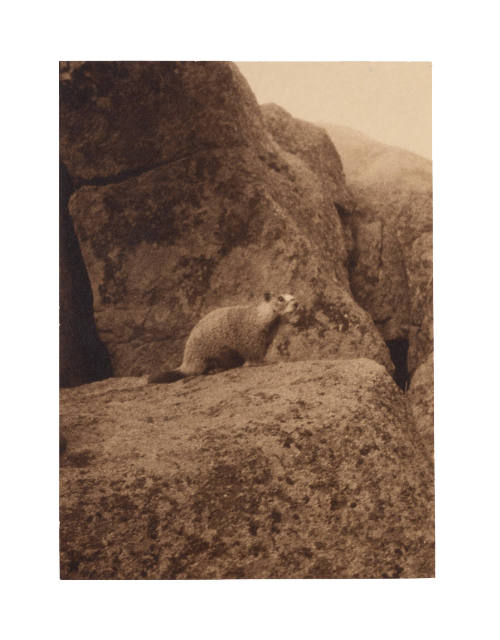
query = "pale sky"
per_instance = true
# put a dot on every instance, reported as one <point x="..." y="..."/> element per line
<point x="389" y="101"/>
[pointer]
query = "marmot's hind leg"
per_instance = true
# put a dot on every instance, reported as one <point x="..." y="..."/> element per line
<point x="166" y="376"/>
<point x="194" y="366"/>
<point x="226" y="359"/>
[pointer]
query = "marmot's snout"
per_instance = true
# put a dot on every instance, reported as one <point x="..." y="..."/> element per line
<point x="289" y="307"/>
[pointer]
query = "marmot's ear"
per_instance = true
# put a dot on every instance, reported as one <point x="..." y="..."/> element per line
<point x="267" y="296"/>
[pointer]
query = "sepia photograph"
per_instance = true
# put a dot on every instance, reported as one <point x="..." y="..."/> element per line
<point x="246" y="320"/>
<point x="251" y="363"/>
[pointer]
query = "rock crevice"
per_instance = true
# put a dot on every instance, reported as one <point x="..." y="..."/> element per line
<point x="82" y="355"/>
<point x="180" y="195"/>
<point x="390" y="230"/>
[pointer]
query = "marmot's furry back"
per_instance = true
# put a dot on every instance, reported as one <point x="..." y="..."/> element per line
<point x="230" y="336"/>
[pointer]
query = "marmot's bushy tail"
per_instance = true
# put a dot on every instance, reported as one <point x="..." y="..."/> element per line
<point x="166" y="376"/>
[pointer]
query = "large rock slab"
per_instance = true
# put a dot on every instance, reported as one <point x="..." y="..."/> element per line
<point x="390" y="225"/>
<point x="292" y="470"/>
<point x="118" y="118"/>
<point x="217" y="216"/>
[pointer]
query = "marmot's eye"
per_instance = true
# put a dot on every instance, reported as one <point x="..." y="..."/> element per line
<point x="281" y="299"/>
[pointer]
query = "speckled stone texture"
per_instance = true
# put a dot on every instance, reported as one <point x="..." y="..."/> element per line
<point x="186" y="201"/>
<point x="312" y="145"/>
<point x="421" y="402"/>
<point x="291" y="470"/>
<point x="122" y="117"/>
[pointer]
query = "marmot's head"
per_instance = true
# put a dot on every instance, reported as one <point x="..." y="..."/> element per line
<point x="282" y="305"/>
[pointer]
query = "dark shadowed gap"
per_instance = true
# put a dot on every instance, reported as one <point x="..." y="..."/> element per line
<point x="399" y="354"/>
<point x="345" y="216"/>
<point x="82" y="356"/>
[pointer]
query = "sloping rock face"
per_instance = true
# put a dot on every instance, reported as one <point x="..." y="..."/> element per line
<point x="313" y="146"/>
<point x="421" y="402"/>
<point x="185" y="202"/>
<point x="291" y="470"/>
<point x="391" y="229"/>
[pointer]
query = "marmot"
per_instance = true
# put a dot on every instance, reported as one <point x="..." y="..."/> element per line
<point x="230" y="336"/>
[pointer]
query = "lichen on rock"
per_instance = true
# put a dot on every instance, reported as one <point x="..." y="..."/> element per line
<point x="184" y="195"/>
<point x="292" y="470"/>
<point x="226" y="204"/>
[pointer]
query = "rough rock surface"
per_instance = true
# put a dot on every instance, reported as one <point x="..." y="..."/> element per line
<point x="421" y="401"/>
<point x="186" y="203"/>
<point x="313" y="146"/>
<point x="391" y="229"/>
<point x="119" y="118"/>
<point x="291" y="470"/>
